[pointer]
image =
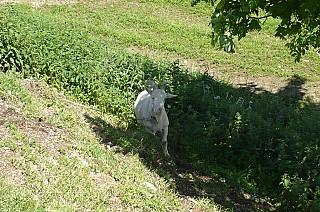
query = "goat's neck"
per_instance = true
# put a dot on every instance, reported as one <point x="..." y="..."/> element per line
<point x="159" y="117"/>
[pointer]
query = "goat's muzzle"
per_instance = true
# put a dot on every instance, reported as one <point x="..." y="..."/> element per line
<point x="158" y="111"/>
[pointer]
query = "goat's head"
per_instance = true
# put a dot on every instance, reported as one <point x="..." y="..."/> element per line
<point x="158" y="96"/>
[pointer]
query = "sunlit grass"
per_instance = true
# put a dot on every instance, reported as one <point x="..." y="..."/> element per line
<point x="184" y="33"/>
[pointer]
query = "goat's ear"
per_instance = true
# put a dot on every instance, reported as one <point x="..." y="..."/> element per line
<point x="148" y="90"/>
<point x="169" y="96"/>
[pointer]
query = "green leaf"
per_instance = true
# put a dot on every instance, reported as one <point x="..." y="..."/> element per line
<point x="221" y="4"/>
<point x="254" y="24"/>
<point x="286" y="183"/>
<point x="294" y="29"/>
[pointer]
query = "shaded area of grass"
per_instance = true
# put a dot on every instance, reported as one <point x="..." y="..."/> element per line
<point x="181" y="173"/>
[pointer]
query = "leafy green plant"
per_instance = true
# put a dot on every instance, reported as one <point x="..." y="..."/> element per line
<point x="11" y="55"/>
<point x="299" y="22"/>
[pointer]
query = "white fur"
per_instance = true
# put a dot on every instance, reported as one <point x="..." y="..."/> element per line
<point x="150" y="112"/>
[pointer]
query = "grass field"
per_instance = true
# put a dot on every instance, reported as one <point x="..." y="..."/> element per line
<point x="252" y="146"/>
<point x="181" y="32"/>
<point x="52" y="159"/>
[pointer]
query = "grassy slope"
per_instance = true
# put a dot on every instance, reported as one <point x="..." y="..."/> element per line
<point x="178" y="31"/>
<point x="51" y="159"/>
<point x="148" y="34"/>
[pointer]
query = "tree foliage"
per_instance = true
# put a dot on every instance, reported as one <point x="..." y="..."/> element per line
<point x="300" y="22"/>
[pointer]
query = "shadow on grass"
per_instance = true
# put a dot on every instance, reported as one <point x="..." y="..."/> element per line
<point x="230" y="145"/>
<point x="294" y="89"/>
<point x="183" y="177"/>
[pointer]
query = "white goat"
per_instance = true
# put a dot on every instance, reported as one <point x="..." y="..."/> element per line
<point x="150" y="111"/>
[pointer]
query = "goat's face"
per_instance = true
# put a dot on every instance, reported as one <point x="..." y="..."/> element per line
<point x="158" y="98"/>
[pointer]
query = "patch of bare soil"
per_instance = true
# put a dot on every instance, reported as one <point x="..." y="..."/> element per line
<point x="102" y="181"/>
<point x="50" y="138"/>
<point x="191" y="185"/>
<point x="7" y="170"/>
<point x="295" y="87"/>
<point x="8" y="113"/>
<point x="46" y="134"/>
<point x="38" y="128"/>
<point x="259" y="84"/>
<point x="39" y="3"/>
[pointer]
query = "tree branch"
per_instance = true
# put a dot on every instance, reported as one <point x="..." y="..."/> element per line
<point x="262" y="17"/>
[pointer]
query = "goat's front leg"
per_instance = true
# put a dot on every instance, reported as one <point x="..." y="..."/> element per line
<point x="164" y="133"/>
<point x="149" y="127"/>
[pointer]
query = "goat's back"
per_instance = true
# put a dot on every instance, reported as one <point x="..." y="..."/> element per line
<point x="141" y="105"/>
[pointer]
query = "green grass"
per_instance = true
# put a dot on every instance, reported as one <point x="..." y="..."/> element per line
<point x="225" y="141"/>
<point x="60" y="164"/>
<point x="176" y="31"/>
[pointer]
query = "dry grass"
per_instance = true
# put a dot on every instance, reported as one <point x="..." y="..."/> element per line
<point x="39" y="3"/>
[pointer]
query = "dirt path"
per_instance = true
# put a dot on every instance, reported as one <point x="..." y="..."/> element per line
<point x="39" y="3"/>
<point x="310" y="91"/>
